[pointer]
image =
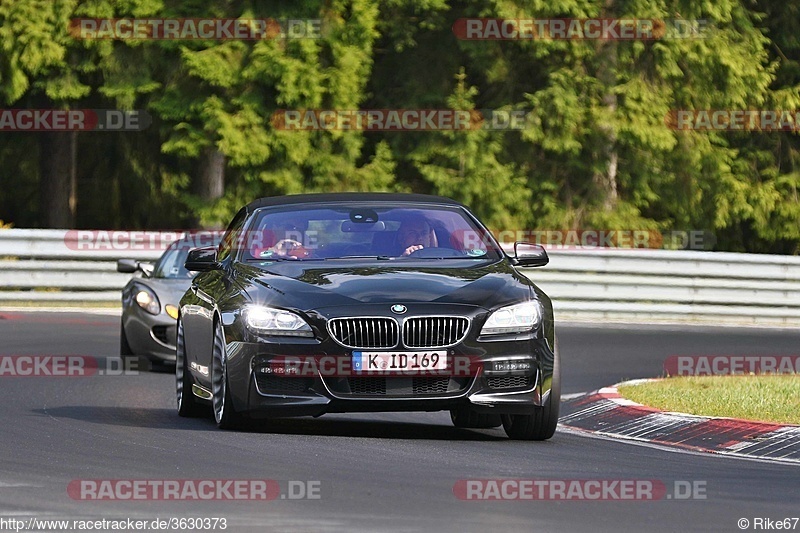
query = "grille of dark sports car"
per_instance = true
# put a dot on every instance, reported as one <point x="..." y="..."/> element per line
<point x="380" y="386"/>
<point x="510" y="382"/>
<point x="270" y="384"/>
<point x="434" y="331"/>
<point x="418" y="332"/>
<point x="365" y="332"/>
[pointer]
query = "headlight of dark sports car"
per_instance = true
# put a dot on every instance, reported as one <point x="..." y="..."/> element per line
<point x="518" y="318"/>
<point x="147" y="300"/>
<point x="270" y="321"/>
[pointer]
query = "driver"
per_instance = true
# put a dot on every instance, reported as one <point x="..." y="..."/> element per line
<point x="415" y="234"/>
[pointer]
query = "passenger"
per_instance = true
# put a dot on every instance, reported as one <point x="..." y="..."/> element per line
<point x="290" y="234"/>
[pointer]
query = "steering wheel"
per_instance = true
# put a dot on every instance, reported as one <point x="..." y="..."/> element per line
<point x="285" y="248"/>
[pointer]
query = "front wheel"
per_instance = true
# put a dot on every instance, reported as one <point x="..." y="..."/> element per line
<point x="125" y="350"/>
<point x="188" y="405"/>
<point x="541" y="425"/>
<point x="224" y="413"/>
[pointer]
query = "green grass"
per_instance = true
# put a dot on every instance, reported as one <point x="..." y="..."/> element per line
<point x="768" y="398"/>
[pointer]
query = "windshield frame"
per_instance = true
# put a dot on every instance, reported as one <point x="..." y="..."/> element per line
<point x="161" y="263"/>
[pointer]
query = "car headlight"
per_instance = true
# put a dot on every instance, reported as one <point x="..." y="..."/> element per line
<point x="271" y="321"/>
<point x="518" y="318"/>
<point x="148" y="301"/>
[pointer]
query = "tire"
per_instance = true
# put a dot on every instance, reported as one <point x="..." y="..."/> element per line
<point x="466" y="418"/>
<point x="221" y="399"/>
<point x="130" y="361"/>
<point x="541" y="425"/>
<point x="188" y="405"/>
<point x="124" y="348"/>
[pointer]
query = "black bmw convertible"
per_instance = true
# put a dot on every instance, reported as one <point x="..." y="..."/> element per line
<point x="367" y="302"/>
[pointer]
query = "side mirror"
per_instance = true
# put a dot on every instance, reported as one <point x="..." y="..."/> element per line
<point x="530" y="255"/>
<point x="127" y="266"/>
<point x="202" y="259"/>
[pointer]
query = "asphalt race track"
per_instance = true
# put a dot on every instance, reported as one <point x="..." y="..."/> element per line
<point x="376" y="472"/>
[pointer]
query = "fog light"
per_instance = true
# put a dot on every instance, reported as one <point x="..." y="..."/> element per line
<point x="509" y="367"/>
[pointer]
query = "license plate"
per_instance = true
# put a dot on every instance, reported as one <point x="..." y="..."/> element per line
<point x="399" y="361"/>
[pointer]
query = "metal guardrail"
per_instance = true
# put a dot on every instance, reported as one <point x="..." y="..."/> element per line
<point x="59" y="266"/>
<point x="54" y="266"/>
<point x="666" y="285"/>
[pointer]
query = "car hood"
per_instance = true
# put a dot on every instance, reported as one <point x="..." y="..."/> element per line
<point x="168" y="290"/>
<point x="309" y="286"/>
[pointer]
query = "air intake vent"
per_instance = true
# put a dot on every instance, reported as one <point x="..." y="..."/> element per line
<point x="161" y="333"/>
<point x="271" y="384"/>
<point x="511" y="382"/>
<point x="369" y="386"/>
<point x="429" y="385"/>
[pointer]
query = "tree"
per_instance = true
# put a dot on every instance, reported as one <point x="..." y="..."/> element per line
<point x="44" y="66"/>
<point x="597" y="152"/>
<point x="466" y="165"/>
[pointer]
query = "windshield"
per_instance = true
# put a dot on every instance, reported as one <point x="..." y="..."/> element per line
<point x="365" y="231"/>
<point x="170" y="264"/>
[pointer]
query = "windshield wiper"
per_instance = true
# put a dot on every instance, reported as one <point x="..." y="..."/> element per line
<point x="378" y="257"/>
<point x="440" y="258"/>
<point x="278" y="258"/>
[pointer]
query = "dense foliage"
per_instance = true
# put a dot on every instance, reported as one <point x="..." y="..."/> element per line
<point x="596" y="151"/>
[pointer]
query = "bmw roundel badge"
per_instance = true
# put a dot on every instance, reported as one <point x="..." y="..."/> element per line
<point x="399" y="309"/>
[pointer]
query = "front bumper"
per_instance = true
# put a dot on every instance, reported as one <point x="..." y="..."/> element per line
<point x="153" y="336"/>
<point x="261" y="393"/>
